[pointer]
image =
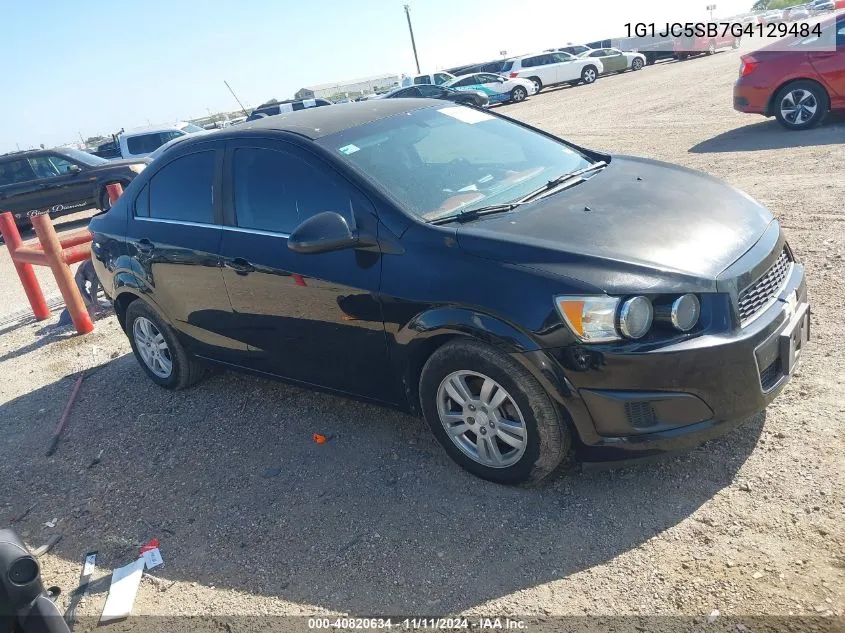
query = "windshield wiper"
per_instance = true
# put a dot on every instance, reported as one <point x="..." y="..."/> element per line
<point x="471" y="214"/>
<point x="576" y="175"/>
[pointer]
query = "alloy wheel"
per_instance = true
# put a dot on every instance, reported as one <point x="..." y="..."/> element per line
<point x="152" y="347"/>
<point x="482" y="419"/>
<point x="519" y="94"/>
<point x="589" y="76"/>
<point x="799" y="106"/>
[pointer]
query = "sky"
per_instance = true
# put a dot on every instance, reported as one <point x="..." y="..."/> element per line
<point x="90" y="67"/>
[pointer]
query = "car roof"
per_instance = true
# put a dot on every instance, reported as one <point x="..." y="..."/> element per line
<point x="315" y="123"/>
<point x="145" y="129"/>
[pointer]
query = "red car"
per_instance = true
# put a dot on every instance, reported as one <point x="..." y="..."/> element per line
<point x="799" y="85"/>
<point x="688" y="46"/>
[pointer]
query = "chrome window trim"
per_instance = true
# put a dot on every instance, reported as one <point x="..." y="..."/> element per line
<point x="215" y="226"/>
<point x="182" y="222"/>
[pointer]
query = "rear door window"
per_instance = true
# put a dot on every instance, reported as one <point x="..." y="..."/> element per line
<point x="183" y="189"/>
<point x="15" y="171"/>
<point x="441" y="78"/>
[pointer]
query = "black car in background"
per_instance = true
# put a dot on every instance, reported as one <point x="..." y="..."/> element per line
<point x="59" y="181"/>
<point x="524" y="294"/>
<point x="272" y="109"/>
<point x="428" y="91"/>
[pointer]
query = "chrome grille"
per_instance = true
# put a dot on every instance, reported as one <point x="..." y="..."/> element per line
<point x="756" y="296"/>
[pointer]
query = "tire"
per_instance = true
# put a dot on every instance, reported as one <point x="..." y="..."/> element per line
<point x="737" y="43"/>
<point x="537" y="84"/>
<point x="711" y="48"/>
<point x="184" y="370"/>
<point x="810" y="95"/>
<point x="518" y="94"/>
<point x="637" y="64"/>
<point x="589" y="74"/>
<point x="526" y="407"/>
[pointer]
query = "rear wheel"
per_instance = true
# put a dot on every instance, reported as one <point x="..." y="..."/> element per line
<point x="737" y="42"/>
<point x="519" y="93"/>
<point x="711" y="48"/>
<point x="801" y="105"/>
<point x="157" y="349"/>
<point x="637" y="64"/>
<point x="538" y="85"/>
<point x="589" y="74"/>
<point x="491" y="415"/>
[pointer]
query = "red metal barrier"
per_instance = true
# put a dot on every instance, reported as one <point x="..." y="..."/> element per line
<point x="58" y="255"/>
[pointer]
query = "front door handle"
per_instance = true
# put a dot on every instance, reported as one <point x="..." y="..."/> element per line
<point x="239" y="265"/>
<point x="145" y="246"/>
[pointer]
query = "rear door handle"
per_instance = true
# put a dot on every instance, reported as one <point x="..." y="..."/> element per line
<point x="145" y="246"/>
<point x="239" y="265"/>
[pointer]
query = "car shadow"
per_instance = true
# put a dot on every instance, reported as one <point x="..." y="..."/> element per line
<point x="375" y="520"/>
<point x="769" y="134"/>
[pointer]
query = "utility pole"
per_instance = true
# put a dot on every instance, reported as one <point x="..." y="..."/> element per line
<point x="413" y="43"/>
<point x="236" y="97"/>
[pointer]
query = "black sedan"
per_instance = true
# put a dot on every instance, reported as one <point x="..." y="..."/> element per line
<point x="59" y="181"/>
<point x="428" y="91"/>
<point x="523" y="294"/>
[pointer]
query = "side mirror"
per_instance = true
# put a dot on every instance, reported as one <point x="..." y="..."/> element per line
<point x="323" y="233"/>
<point x="74" y="169"/>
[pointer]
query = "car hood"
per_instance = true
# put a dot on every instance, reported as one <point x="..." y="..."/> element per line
<point x="637" y="217"/>
<point x="121" y="162"/>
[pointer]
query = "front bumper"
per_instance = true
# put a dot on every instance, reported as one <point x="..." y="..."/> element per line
<point x="641" y="404"/>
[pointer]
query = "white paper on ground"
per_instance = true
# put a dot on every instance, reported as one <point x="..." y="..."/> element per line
<point x="124" y="587"/>
<point x="152" y="558"/>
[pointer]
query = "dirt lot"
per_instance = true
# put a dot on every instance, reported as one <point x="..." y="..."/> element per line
<point x="254" y="518"/>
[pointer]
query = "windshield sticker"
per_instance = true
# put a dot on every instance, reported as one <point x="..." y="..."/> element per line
<point x="348" y="149"/>
<point x="467" y="115"/>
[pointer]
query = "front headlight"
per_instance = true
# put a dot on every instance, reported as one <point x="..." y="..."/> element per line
<point x="602" y="319"/>
<point x="592" y="319"/>
<point x="138" y="167"/>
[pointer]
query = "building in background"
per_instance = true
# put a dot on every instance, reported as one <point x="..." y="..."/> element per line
<point x="344" y="89"/>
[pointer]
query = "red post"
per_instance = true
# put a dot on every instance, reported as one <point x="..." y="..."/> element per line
<point x="12" y="237"/>
<point x="64" y="279"/>
<point x="115" y="190"/>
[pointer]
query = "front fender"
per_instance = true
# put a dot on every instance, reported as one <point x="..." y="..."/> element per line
<point x="423" y="334"/>
<point x="465" y="321"/>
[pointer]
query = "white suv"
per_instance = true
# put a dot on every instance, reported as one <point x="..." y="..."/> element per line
<point x="549" y="69"/>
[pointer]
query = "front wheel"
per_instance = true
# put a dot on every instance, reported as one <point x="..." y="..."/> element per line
<point x="637" y="64"/>
<point x="737" y="42"/>
<point x="519" y="94"/>
<point x="711" y="48"/>
<point x="157" y="349"/>
<point x="589" y="75"/>
<point x="491" y="415"/>
<point x="801" y="105"/>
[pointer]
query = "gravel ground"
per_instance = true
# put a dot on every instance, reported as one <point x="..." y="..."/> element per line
<point x="254" y="518"/>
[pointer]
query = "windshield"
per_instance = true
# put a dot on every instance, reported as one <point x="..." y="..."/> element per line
<point x="436" y="161"/>
<point x="190" y="127"/>
<point x="82" y="157"/>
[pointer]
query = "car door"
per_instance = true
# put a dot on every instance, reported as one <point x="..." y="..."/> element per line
<point x="313" y="318"/>
<point x="565" y="70"/>
<point x="20" y="189"/>
<point x="613" y="60"/>
<point x="63" y="181"/>
<point x="173" y="242"/>
<point x="830" y="65"/>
